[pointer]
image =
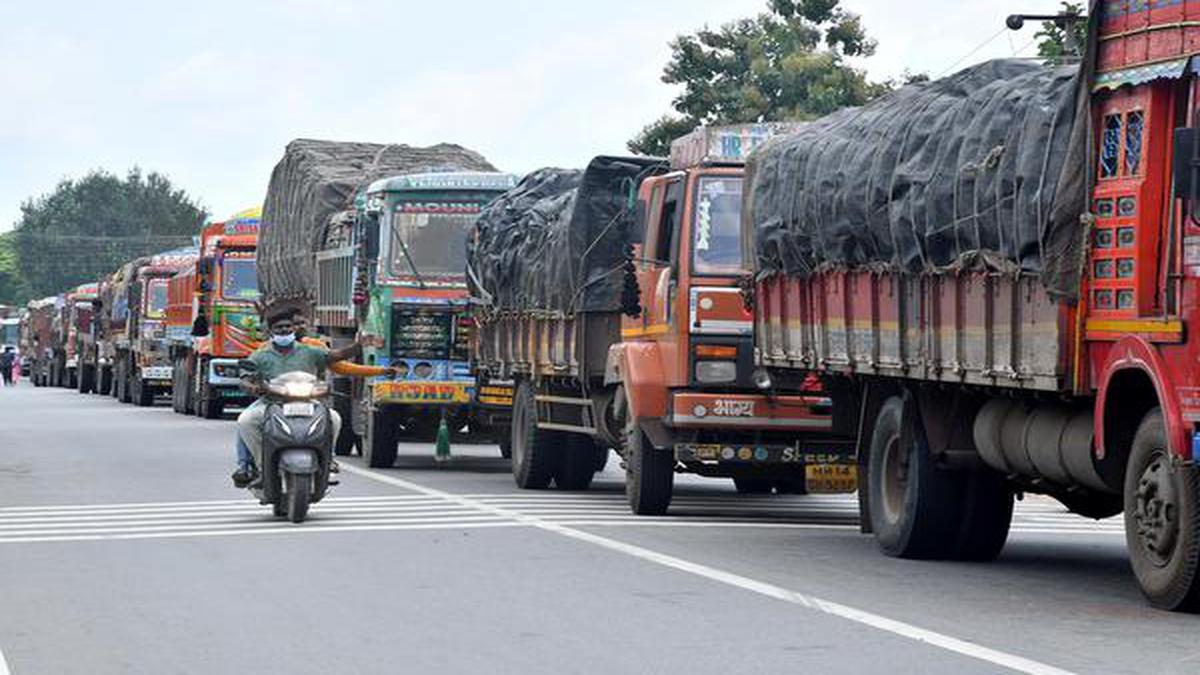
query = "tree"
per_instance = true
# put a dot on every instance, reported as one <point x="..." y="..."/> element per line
<point x="87" y="228"/>
<point x="788" y="63"/>
<point x="13" y="288"/>
<point x="1053" y="43"/>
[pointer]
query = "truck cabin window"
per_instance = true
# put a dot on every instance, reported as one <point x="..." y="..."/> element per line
<point x="239" y="279"/>
<point x="716" y="235"/>
<point x="434" y="236"/>
<point x="156" y="298"/>
<point x="668" y="223"/>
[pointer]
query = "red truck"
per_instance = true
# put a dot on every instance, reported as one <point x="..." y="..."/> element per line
<point x="211" y="321"/>
<point x="998" y="273"/>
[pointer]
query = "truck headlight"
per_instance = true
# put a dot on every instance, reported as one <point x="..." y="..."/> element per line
<point x="712" y="372"/>
<point x="762" y="379"/>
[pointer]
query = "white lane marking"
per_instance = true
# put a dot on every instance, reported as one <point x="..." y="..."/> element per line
<point x="947" y="642"/>
<point x="205" y="504"/>
<point x="306" y="528"/>
<point x="260" y="525"/>
<point x="3" y="664"/>
<point x="15" y="523"/>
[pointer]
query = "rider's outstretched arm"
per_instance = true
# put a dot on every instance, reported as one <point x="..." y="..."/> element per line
<point x="351" y="369"/>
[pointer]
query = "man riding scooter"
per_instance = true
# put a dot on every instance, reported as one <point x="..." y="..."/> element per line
<point x="282" y="354"/>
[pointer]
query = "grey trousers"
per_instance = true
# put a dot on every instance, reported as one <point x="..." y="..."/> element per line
<point x="250" y="427"/>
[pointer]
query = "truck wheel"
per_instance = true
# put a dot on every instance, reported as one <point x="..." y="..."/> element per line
<point x="987" y="510"/>
<point x="505" y="443"/>
<point x="179" y="385"/>
<point x="343" y="391"/>
<point x="649" y="473"/>
<point x="72" y="378"/>
<point x="536" y="453"/>
<point x="104" y="386"/>
<point x="914" y="504"/>
<point x="380" y="445"/>
<point x="1162" y="520"/>
<point x="143" y="396"/>
<point x="87" y="379"/>
<point x="753" y="486"/>
<point x="577" y="466"/>
<point x="209" y="406"/>
<point x="126" y="384"/>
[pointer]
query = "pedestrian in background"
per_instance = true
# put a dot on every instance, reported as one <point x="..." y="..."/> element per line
<point x="7" y="361"/>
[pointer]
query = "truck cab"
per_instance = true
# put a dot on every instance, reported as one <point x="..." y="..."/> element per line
<point x="687" y="361"/>
<point x="212" y="320"/>
<point x="394" y="267"/>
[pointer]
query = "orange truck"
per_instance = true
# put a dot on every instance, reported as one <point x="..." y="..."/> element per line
<point x="211" y="319"/>
<point x="665" y="376"/>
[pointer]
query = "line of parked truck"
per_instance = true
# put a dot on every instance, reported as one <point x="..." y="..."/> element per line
<point x="966" y="291"/>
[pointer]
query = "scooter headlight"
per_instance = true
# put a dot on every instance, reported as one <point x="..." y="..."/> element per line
<point x="299" y="389"/>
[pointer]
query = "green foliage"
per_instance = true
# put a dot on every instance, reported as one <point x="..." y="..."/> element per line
<point x="788" y="63"/>
<point x="1052" y="38"/>
<point x="87" y="228"/>
<point x="13" y="288"/>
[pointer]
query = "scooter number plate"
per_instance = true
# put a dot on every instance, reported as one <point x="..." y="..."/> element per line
<point x="297" y="409"/>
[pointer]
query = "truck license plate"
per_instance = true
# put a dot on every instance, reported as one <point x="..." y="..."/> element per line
<point x="830" y="478"/>
<point x="297" y="409"/>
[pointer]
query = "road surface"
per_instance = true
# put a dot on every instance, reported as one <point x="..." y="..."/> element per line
<point x="124" y="549"/>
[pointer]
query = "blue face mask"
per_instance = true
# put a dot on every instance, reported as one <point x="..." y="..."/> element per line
<point x="283" y="340"/>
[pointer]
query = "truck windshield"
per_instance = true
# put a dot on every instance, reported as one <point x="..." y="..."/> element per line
<point x="716" y="234"/>
<point x="156" y="298"/>
<point x="239" y="279"/>
<point x="435" y="235"/>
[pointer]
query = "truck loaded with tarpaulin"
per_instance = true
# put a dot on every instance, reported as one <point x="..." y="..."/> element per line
<point x="997" y="271"/>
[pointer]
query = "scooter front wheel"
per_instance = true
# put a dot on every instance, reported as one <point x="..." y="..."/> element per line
<point x="299" y="495"/>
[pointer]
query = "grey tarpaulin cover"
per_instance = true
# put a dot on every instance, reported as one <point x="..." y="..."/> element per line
<point x="982" y="167"/>
<point x="558" y="240"/>
<point x="315" y="180"/>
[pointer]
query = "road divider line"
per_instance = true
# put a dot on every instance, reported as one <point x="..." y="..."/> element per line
<point x="210" y="503"/>
<point x="900" y="628"/>
<point x="307" y="528"/>
<point x="3" y="664"/>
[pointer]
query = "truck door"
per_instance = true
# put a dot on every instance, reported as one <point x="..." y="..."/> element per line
<point x="657" y="268"/>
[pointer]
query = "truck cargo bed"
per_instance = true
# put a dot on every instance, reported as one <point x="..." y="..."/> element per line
<point x="548" y="344"/>
<point x="972" y="327"/>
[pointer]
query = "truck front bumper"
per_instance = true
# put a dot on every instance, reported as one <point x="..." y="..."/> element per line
<point x="712" y="411"/>
<point x="422" y="392"/>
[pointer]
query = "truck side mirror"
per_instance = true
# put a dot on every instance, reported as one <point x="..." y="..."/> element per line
<point x="1186" y="163"/>
<point x="200" y="326"/>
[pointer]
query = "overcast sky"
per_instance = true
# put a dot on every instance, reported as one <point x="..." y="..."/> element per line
<point x="209" y="93"/>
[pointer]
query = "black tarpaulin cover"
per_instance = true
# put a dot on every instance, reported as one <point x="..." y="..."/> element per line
<point x="317" y="179"/>
<point x="557" y="242"/>
<point x="983" y="167"/>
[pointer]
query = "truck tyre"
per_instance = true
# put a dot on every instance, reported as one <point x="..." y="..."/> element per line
<point x="104" y="382"/>
<point x="577" y="466"/>
<point x="87" y="379"/>
<point x="380" y="445"/>
<point x="126" y="381"/>
<point x="343" y="403"/>
<point x="536" y="452"/>
<point x="987" y="510"/>
<point x="914" y="504"/>
<point x="72" y="378"/>
<point x="649" y="473"/>
<point x="753" y="486"/>
<point x="1162" y="520"/>
<point x="179" y="384"/>
<point x="210" y="407"/>
<point x="143" y="396"/>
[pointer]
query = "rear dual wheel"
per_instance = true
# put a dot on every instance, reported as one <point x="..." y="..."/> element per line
<point x="920" y="510"/>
